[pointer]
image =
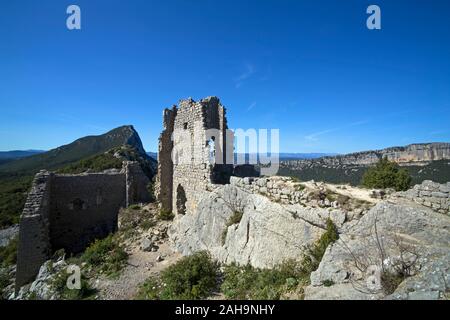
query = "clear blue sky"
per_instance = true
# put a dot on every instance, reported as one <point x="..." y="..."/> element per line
<point x="310" y="68"/>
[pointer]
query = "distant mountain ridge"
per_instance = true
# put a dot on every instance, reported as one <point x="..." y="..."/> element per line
<point x="16" y="154"/>
<point x="282" y="156"/>
<point x="77" y="150"/>
<point x="424" y="161"/>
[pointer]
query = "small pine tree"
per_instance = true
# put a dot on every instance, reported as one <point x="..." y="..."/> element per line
<point x="387" y="174"/>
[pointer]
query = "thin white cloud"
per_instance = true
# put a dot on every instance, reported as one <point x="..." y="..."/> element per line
<point x="437" y="132"/>
<point x="251" y="106"/>
<point x="245" y="75"/>
<point x="314" y="136"/>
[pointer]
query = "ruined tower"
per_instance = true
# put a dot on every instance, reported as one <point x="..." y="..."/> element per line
<point x="195" y="150"/>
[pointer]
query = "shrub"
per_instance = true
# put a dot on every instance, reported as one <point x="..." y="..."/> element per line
<point x="8" y="254"/>
<point x="135" y="207"/>
<point x="328" y="283"/>
<point x="130" y="221"/>
<point x="4" y="282"/>
<point x="386" y="174"/>
<point x="106" y="255"/>
<point x="314" y="255"/>
<point x="193" y="277"/>
<point x="150" y="289"/>
<point x="151" y="190"/>
<point x="235" y="218"/>
<point x="166" y="215"/>
<point x="252" y="283"/>
<point x="247" y="282"/>
<point x="59" y="285"/>
<point x="96" y="163"/>
<point x="13" y="194"/>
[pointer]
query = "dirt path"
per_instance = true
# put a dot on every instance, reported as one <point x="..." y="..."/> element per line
<point x="140" y="266"/>
<point x="346" y="190"/>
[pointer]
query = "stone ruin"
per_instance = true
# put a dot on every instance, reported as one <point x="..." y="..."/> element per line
<point x="70" y="211"/>
<point x="195" y="151"/>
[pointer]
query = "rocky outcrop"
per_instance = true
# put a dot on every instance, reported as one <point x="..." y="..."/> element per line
<point x="6" y="235"/>
<point x="398" y="249"/>
<point x="235" y="225"/>
<point x="388" y="236"/>
<point x="42" y="288"/>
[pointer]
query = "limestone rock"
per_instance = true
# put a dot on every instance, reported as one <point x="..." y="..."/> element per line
<point x="267" y="233"/>
<point x="398" y="226"/>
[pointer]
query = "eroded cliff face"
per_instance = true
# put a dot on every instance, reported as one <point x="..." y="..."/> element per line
<point x="414" y="153"/>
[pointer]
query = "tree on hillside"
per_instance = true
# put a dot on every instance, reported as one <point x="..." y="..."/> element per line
<point x="387" y="174"/>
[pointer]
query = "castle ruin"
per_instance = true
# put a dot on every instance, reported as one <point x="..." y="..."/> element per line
<point x="70" y="211"/>
<point x="195" y="150"/>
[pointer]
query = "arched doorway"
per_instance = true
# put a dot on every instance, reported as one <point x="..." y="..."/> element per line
<point x="181" y="200"/>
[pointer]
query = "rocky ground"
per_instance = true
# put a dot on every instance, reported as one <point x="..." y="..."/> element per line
<point x="147" y="258"/>
<point x="401" y="243"/>
<point x="391" y="246"/>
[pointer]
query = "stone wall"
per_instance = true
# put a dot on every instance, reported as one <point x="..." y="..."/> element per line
<point x="34" y="242"/>
<point x="70" y="211"/>
<point x="192" y="153"/>
<point x="136" y="184"/>
<point x="278" y="189"/>
<point x="84" y="208"/>
<point x="429" y="194"/>
<point x="164" y="178"/>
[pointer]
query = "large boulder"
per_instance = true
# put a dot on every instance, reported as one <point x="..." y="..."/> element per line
<point x="389" y="237"/>
<point x="263" y="233"/>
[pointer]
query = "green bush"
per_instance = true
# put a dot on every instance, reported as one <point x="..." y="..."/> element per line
<point x="191" y="278"/>
<point x="386" y="174"/>
<point x="13" y="194"/>
<point x="8" y="254"/>
<point x="59" y="285"/>
<point x="106" y="256"/>
<point x="261" y="284"/>
<point x="150" y="289"/>
<point x="135" y="207"/>
<point x="4" y="282"/>
<point x="252" y="283"/>
<point x="314" y="255"/>
<point x="166" y="215"/>
<point x="235" y="218"/>
<point x="96" y="163"/>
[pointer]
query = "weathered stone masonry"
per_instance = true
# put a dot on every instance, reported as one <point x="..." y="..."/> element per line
<point x="186" y="164"/>
<point x="70" y="211"/>
<point x="429" y="194"/>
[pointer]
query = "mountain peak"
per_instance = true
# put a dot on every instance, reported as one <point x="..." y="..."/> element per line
<point x="81" y="148"/>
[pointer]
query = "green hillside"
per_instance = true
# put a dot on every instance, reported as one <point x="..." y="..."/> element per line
<point x="93" y="153"/>
<point x="77" y="150"/>
<point x="438" y="171"/>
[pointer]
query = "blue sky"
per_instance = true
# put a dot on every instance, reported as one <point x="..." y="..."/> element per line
<point x="309" y="68"/>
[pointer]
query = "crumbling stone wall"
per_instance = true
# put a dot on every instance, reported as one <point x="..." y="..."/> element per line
<point x="188" y="162"/>
<point x="429" y="194"/>
<point x="164" y="178"/>
<point x="84" y="208"/>
<point x="136" y="184"/>
<point x="70" y="211"/>
<point x="278" y="189"/>
<point x="34" y="239"/>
